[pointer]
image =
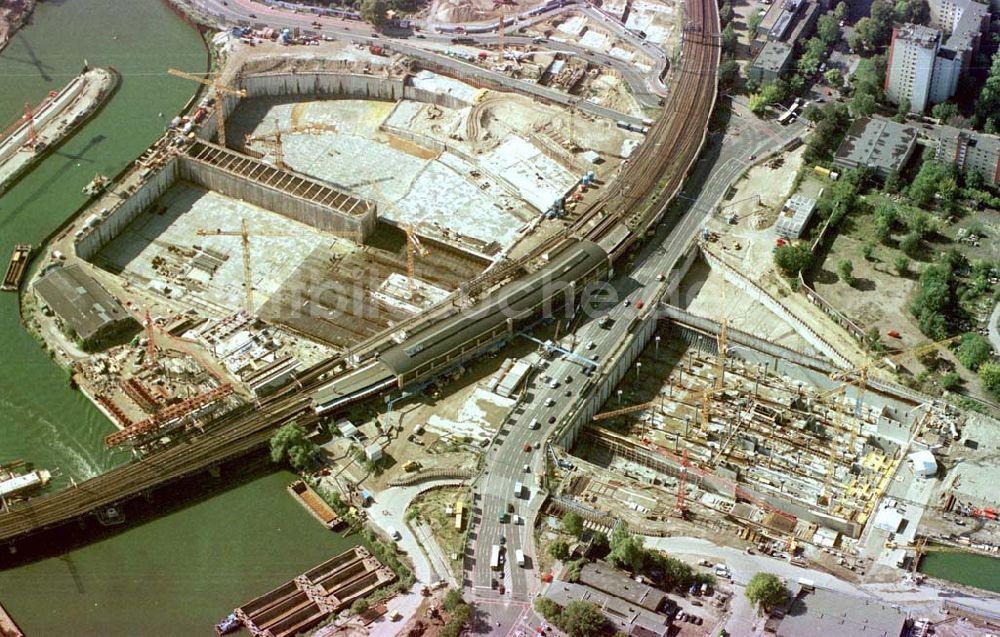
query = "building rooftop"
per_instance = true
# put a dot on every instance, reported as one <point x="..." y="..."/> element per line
<point x="608" y="579"/>
<point x="969" y="27"/>
<point x="80" y="301"/>
<point x="773" y="56"/>
<point x="952" y="136"/>
<point x="795" y="215"/>
<point x="879" y="143"/>
<point x="822" y="612"/>
<point x="919" y="35"/>
<point x="629" y="618"/>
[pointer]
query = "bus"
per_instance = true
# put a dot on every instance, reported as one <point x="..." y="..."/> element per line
<point x="495" y="557"/>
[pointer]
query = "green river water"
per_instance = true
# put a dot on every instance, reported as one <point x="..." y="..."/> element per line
<point x="178" y="574"/>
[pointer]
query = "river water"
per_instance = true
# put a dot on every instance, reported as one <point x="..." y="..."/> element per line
<point x="180" y="573"/>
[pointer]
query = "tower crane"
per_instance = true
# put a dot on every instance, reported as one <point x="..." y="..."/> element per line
<point x="273" y="138"/>
<point x="29" y="115"/>
<point x="413" y="247"/>
<point x="245" y="235"/>
<point x="220" y="91"/>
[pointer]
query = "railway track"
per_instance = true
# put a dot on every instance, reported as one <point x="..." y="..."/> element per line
<point x="661" y="162"/>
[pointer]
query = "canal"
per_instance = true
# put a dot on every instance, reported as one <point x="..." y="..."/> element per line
<point x="970" y="569"/>
<point x="177" y="574"/>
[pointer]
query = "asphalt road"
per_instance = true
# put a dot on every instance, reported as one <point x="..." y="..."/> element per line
<point x="746" y="137"/>
<point x="240" y="11"/>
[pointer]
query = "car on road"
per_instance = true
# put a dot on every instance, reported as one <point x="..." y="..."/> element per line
<point x="501" y="517"/>
<point x="538" y="444"/>
<point x="527" y="468"/>
<point x="253" y="15"/>
<point x="640" y="304"/>
<point x="502" y="589"/>
<point x="661" y="277"/>
<point x="549" y="402"/>
<point x="503" y="540"/>
<point x="552" y="421"/>
<point x="569" y="393"/>
<point x="569" y="379"/>
<point x="554" y="384"/>
<point x="527" y="447"/>
<point x="591" y="345"/>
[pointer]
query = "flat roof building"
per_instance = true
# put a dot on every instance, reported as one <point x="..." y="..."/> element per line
<point x="823" y="612"/>
<point x="877" y="143"/>
<point x="631" y="619"/>
<point x="795" y="216"/>
<point x="969" y="150"/>
<point x="608" y="579"/>
<point x="771" y="61"/>
<point x="86" y="310"/>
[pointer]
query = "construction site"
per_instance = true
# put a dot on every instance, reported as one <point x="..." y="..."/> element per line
<point x="753" y="440"/>
<point x="341" y="203"/>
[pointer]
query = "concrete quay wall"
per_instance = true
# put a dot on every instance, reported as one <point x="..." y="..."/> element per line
<point x="112" y="222"/>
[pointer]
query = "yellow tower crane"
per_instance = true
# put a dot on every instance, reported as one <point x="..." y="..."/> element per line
<point x="413" y="248"/>
<point x="245" y="235"/>
<point x="220" y="91"/>
<point x="858" y="377"/>
<point x="273" y="138"/>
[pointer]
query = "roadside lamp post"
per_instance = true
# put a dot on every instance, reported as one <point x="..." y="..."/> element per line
<point x="619" y="396"/>
<point x="657" y="341"/>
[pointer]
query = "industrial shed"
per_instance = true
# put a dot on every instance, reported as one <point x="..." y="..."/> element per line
<point x="85" y="308"/>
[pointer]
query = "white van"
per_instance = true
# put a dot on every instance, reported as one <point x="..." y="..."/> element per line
<point x="394" y="534"/>
<point x="533" y="424"/>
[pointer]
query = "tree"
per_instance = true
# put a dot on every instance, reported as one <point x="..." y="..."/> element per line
<point x="290" y="443"/>
<point x="572" y="523"/>
<point x="793" y="259"/>
<point x="846" y="271"/>
<point x="901" y="265"/>
<point x="548" y="609"/>
<point x="766" y="591"/>
<point x="600" y="544"/>
<point x="840" y="11"/>
<point x="582" y="619"/>
<point x="559" y="550"/>
<point x="373" y="11"/>
<point x="729" y="73"/>
<point x="951" y="381"/>
<point x="832" y="77"/>
<point x="989" y="375"/>
<point x="868" y="251"/>
<point x="753" y="21"/>
<point x="626" y="549"/>
<point x="873" y="340"/>
<point x="726" y="12"/>
<point x="828" y="29"/>
<point x="359" y="606"/>
<point x="910" y="244"/>
<point x="452" y="599"/>
<point x="867" y="81"/>
<point x="934" y="180"/>
<point x="729" y="39"/>
<point x="945" y="111"/>
<point x="973" y="350"/>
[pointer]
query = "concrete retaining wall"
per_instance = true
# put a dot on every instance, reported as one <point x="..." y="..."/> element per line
<point x="307" y="212"/>
<point x="117" y="218"/>
<point x="52" y="109"/>
<point x="762" y="296"/>
<point x="326" y="85"/>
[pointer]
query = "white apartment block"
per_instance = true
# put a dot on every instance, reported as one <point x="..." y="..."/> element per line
<point x="910" y="73"/>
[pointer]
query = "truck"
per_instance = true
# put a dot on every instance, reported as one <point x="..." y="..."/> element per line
<point x="518" y="488"/>
<point x="519" y="554"/>
<point x="495" y="557"/>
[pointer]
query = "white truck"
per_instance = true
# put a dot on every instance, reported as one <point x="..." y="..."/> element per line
<point x="518" y="489"/>
<point x="519" y="554"/>
<point x="495" y="557"/>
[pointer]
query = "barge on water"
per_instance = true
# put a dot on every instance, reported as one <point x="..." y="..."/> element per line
<point x="305" y="601"/>
<point x="15" y="269"/>
<point x="313" y="503"/>
<point x="18" y="485"/>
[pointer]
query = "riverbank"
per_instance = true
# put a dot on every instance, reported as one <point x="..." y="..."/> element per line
<point x="14" y="14"/>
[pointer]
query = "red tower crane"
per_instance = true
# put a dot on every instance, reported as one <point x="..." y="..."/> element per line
<point x="32" y="133"/>
<point x="150" y="345"/>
